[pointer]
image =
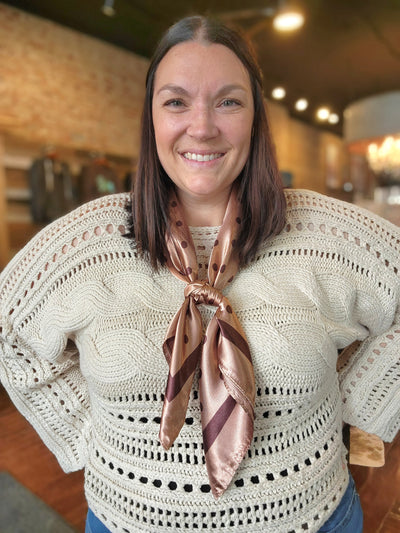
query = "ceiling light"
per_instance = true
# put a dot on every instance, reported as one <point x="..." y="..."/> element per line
<point x="284" y="18"/>
<point x="333" y="118"/>
<point x="301" y="104"/>
<point x="323" y="113"/>
<point x="278" y="93"/>
<point x="108" y="8"/>
<point x="287" y="18"/>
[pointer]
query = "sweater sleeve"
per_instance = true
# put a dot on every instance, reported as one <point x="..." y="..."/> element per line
<point x="369" y="373"/>
<point x="369" y="370"/>
<point x="39" y="362"/>
<point x="362" y="251"/>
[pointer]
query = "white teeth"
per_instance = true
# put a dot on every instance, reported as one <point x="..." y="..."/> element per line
<point x="200" y="157"/>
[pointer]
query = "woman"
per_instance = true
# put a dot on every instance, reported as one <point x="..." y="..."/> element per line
<point x="238" y="427"/>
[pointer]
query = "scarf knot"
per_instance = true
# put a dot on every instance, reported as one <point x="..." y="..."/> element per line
<point x="203" y="293"/>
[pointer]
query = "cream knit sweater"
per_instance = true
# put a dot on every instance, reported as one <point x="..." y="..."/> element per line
<point x="329" y="279"/>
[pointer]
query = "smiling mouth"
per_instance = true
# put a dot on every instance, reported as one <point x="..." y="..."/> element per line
<point x="201" y="157"/>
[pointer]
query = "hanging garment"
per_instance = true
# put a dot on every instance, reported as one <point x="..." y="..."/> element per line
<point x="52" y="191"/>
<point x="97" y="179"/>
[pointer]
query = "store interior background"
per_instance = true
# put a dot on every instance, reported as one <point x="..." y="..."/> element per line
<point x="72" y="86"/>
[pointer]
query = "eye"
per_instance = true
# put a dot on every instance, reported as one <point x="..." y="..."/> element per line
<point x="174" y="102"/>
<point x="230" y="102"/>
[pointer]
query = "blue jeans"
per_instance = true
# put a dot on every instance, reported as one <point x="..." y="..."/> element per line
<point x="94" y="525"/>
<point x="347" y="517"/>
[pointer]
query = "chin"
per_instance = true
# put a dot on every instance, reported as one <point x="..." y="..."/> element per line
<point x="201" y="188"/>
<point x="208" y="187"/>
<point x="202" y="193"/>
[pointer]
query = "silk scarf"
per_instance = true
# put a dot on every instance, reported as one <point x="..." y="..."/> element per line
<point x="226" y="377"/>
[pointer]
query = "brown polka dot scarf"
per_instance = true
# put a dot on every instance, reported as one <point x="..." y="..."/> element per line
<point x="226" y="383"/>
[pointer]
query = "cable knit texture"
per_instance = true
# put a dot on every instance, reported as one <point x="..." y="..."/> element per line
<point x="329" y="281"/>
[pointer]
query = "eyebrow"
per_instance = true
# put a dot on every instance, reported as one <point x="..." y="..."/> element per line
<point x="177" y="89"/>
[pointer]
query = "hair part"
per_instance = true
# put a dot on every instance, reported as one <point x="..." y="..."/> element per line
<point x="260" y="187"/>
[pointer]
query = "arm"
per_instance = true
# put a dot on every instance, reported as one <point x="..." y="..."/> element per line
<point x="41" y="312"/>
<point x="369" y="374"/>
<point x="359" y="274"/>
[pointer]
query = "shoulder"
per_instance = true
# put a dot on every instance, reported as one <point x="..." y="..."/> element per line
<point x="93" y="229"/>
<point x="331" y="213"/>
<point x="314" y="203"/>
<point x="325" y="223"/>
<point x="111" y="207"/>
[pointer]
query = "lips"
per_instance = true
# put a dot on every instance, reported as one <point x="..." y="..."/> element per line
<point x="192" y="156"/>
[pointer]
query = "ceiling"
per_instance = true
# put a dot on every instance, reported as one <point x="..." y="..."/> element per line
<point x="346" y="50"/>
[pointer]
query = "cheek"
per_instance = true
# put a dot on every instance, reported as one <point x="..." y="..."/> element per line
<point x="243" y="144"/>
<point x="162" y="143"/>
<point x="243" y="139"/>
<point x="165" y="143"/>
<point x="166" y="133"/>
<point x="239" y="132"/>
<point x="158" y="130"/>
<point x="159" y="127"/>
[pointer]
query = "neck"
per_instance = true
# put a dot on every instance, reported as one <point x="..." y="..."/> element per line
<point x="203" y="212"/>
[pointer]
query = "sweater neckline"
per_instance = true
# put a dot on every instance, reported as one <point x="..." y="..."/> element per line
<point x="203" y="239"/>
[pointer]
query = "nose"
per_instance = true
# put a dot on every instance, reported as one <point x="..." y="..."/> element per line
<point x="202" y="124"/>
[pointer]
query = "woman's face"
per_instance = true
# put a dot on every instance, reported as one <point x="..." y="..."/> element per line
<point x="203" y="115"/>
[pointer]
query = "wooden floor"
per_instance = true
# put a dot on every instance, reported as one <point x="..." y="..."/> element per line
<point x="25" y="457"/>
<point x="379" y="490"/>
<point x="28" y="460"/>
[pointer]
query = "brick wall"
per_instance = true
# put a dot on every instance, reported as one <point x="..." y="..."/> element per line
<point x="59" y="86"/>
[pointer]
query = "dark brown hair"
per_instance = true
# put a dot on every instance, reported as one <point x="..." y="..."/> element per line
<point x="260" y="187"/>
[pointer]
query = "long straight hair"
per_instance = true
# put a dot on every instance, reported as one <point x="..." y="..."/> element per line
<point x="260" y="187"/>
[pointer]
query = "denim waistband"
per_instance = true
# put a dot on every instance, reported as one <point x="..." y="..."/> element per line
<point x="348" y="516"/>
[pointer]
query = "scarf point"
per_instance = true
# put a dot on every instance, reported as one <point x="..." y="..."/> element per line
<point x="217" y="493"/>
<point x="166" y="442"/>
